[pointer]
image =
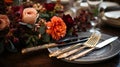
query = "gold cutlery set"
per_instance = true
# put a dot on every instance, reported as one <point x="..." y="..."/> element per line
<point x="81" y="49"/>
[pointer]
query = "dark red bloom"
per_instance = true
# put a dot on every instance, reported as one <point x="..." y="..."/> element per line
<point x="17" y="12"/>
<point x="49" y="6"/>
<point x="15" y="40"/>
<point x="68" y="20"/>
<point x="82" y="20"/>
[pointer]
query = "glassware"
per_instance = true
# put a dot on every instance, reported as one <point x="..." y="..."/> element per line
<point x="74" y="5"/>
<point x="77" y="4"/>
<point x="94" y="9"/>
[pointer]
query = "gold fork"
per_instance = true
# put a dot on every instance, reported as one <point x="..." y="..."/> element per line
<point x="90" y="43"/>
<point x="58" y="52"/>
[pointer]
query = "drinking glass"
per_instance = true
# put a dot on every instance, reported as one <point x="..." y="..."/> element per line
<point x="94" y="9"/>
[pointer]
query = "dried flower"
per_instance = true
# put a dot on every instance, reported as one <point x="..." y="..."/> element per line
<point x="40" y="23"/>
<point x="29" y="15"/>
<point x="59" y="7"/>
<point x="39" y="7"/>
<point x="4" y="22"/>
<point x="56" y="28"/>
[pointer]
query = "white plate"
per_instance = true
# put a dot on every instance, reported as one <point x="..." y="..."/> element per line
<point x="112" y="18"/>
<point x="113" y="14"/>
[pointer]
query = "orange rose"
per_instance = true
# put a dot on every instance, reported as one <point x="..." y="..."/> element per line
<point x="29" y="15"/>
<point x="56" y="28"/>
<point x="4" y="22"/>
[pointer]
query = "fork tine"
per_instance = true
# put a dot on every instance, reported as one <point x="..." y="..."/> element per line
<point x="91" y="37"/>
<point x="93" y="40"/>
<point x="90" y="40"/>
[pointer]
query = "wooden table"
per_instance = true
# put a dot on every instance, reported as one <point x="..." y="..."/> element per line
<point x="41" y="59"/>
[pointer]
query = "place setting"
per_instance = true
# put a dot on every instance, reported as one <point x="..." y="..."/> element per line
<point x="111" y="15"/>
<point x="37" y="32"/>
<point x="87" y="47"/>
<point x="112" y="18"/>
<point x="74" y="54"/>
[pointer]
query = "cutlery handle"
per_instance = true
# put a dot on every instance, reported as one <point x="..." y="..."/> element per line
<point x="26" y="50"/>
<point x="58" y="52"/>
<point x="66" y="54"/>
<point x="81" y="54"/>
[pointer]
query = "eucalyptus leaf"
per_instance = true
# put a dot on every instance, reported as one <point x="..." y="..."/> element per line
<point x="10" y="47"/>
<point x="29" y="26"/>
<point x="45" y="16"/>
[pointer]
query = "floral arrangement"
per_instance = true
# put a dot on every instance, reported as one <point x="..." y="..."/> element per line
<point x="31" y="24"/>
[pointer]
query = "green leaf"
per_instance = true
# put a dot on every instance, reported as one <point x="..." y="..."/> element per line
<point x="42" y="30"/>
<point x="46" y="38"/>
<point x="69" y="32"/>
<point x="32" y="40"/>
<point x="29" y="40"/>
<point x="29" y="26"/>
<point x="44" y="15"/>
<point x="16" y="2"/>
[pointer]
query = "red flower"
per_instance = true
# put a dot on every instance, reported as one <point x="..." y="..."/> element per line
<point x="68" y="20"/>
<point x="17" y="12"/>
<point x="56" y="28"/>
<point x="49" y="6"/>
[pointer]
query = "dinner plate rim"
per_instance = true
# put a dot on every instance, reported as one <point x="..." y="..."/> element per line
<point x="111" y="22"/>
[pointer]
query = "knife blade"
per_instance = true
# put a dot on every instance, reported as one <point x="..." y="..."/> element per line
<point x="98" y="46"/>
<point x="106" y="42"/>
